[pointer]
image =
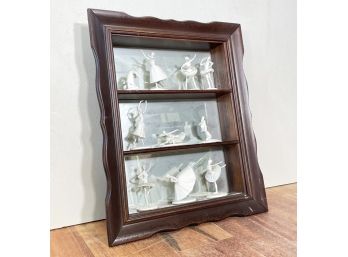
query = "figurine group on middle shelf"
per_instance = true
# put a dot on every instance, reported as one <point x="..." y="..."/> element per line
<point x="182" y="179"/>
<point x="156" y="75"/>
<point x="136" y="131"/>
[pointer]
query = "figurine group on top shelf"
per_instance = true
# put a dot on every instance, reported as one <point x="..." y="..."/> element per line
<point x="136" y="131"/>
<point x="185" y="181"/>
<point x="157" y="76"/>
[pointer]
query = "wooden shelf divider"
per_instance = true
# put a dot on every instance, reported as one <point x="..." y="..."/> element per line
<point x="179" y="147"/>
<point x="170" y="94"/>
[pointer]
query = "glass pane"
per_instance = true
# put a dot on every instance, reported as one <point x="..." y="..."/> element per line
<point x="139" y="69"/>
<point x="162" y="180"/>
<point x="158" y="123"/>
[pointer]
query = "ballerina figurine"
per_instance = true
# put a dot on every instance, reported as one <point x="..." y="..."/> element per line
<point x="207" y="70"/>
<point x="130" y="82"/>
<point x="156" y="73"/>
<point x="184" y="182"/>
<point x="140" y="180"/>
<point x="202" y="130"/>
<point x="189" y="71"/>
<point x="212" y="174"/>
<point x="136" y="132"/>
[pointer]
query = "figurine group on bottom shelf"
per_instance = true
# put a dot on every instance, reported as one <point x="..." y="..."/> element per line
<point x="136" y="131"/>
<point x="182" y="179"/>
<point x="156" y="75"/>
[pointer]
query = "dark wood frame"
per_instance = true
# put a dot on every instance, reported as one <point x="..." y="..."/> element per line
<point x="239" y="143"/>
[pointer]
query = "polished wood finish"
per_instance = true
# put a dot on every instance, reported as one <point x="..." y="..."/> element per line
<point x="262" y="235"/>
<point x="224" y="41"/>
<point x="177" y="148"/>
<point x="170" y="94"/>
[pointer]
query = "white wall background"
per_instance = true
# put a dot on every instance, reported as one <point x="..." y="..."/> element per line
<point x="77" y="176"/>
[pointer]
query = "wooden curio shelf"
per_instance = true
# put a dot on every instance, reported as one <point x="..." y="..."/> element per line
<point x="119" y="40"/>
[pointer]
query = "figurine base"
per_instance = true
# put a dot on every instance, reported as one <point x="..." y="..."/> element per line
<point x="146" y="185"/>
<point x="200" y="195"/>
<point x="131" y="88"/>
<point x="216" y="195"/>
<point x="156" y="88"/>
<point x="147" y="208"/>
<point x="164" y="205"/>
<point x="210" y="140"/>
<point x="187" y="200"/>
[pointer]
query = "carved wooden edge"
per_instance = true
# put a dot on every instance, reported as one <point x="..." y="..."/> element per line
<point x="98" y="42"/>
<point x="123" y="22"/>
<point x="119" y="232"/>
<point x="243" y="208"/>
<point x="248" y="143"/>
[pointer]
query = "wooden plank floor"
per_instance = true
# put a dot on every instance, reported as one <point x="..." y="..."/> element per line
<point x="263" y="235"/>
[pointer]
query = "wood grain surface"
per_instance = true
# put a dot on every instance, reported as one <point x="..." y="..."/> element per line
<point x="271" y="234"/>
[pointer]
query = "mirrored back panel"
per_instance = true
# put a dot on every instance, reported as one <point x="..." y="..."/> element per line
<point x="160" y="123"/>
<point x="160" y="180"/>
<point x="159" y="69"/>
<point x="143" y="63"/>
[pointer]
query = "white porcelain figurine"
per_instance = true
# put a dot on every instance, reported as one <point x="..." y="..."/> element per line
<point x="201" y="187"/>
<point x="130" y="82"/>
<point x="206" y="70"/>
<point x="188" y="131"/>
<point x="184" y="182"/>
<point x="170" y="138"/>
<point x="136" y="132"/>
<point x="212" y="174"/>
<point x="156" y="73"/>
<point x="142" y="184"/>
<point x="189" y="72"/>
<point x="202" y="130"/>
